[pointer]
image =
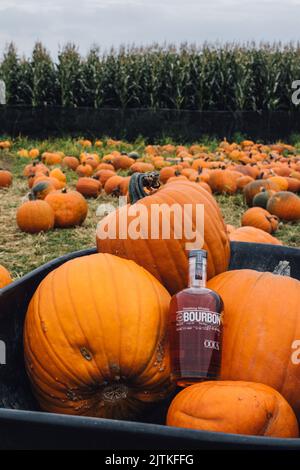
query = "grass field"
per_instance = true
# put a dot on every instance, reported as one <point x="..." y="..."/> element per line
<point x="21" y="252"/>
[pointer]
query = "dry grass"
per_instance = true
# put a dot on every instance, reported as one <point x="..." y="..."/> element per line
<point x="21" y="252"/>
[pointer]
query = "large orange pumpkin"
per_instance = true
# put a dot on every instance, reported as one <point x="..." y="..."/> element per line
<point x="166" y="258"/>
<point x="261" y="330"/>
<point x="233" y="407"/>
<point x="95" y="347"/>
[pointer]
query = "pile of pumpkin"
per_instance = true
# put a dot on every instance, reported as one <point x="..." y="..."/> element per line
<point x="96" y="331"/>
<point x="268" y="176"/>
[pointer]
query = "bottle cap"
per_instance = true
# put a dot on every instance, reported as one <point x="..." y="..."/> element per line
<point x="197" y="254"/>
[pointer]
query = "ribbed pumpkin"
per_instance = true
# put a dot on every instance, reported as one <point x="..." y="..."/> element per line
<point x="243" y="181"/>
<point x="70" y="208"/>
<point x="84" y="169"/>
<point x="166" y="259"/>
<point x="52" y="158"/>
<point x="5" y="178"/>
<point x="253" y="235"/>
<point x="104" y="175"/>
<point x="261" y="326"/>
<point x="260" y="218"/>
<point x="223" y="181"/>
<point x="112" y="185"/>
<point x="88" y="187"/>
<point x="5" y="277"/>
<point x="293" y="184"/>
<point x="280" y="181"/>
<point x="70" y="162"/>
<point x="285" y="205"/>
<point x="233" y="407"/>
<point x="141" y="167"/>
<point x="59" y="175"/>
<point x="94" y="346"/>
<point x="123" y="162"/>
<point x="35" y="216"/>
<point x="167" y="173"/>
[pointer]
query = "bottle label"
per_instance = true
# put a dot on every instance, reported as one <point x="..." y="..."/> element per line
<point x="198" y="318"/>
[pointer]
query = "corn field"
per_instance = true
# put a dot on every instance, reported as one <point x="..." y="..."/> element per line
<point x="230" y="77"/>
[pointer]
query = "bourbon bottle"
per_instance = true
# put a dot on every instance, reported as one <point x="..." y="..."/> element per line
<point x="196" y="327"/>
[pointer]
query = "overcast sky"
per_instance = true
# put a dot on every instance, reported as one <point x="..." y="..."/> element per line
<point x="113" y="22"/>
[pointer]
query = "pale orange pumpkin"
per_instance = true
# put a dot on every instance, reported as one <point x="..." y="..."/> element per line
<point x="233" y="407"/>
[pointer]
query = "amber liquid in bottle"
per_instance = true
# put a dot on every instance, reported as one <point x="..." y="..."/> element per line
<point x="196" y="327"/>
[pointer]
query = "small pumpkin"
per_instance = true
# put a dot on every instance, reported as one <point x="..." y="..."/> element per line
<point x="105" y="166"/>
<point x="35" y="167"/>
<point x="84" y="169"/>
<point x="253" y="235"/>
<point x="123" y="162"/>
<point x="285" y="205"/>
<point x="260" y="218"/>
<point x="5" y="277"/>
<point x="70" y="162"/>
<point x="281" y="182"/>
<point x="243" y="181"/>
<point x="112" y="185"/>
<point x="103" y="358"/>
<point x="52" y="158"/>
<point x="70" y="208"/>
<point x="35" y="216"/>
<point x="223" y="181"/>
<point x="233" y="407"/>
<point x="293" y="185"/>
<point x="41" y="189"/>
<point x="167" y="173"/>
<point x="141" y="167"/>
<point x="88" y="187"/>
<point x="255" y="187"/>
<point x="34" y="153"/>
<point x="6" y="179"/>
<point x="41" y="177"/>
<point x="59" y="175"/>
<point x="104" y="174"/>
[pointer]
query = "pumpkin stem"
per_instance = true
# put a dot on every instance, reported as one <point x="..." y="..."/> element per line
<point x="139" y="181"/>
<point x="177" y="173"/>
<point x="64" y="190"/>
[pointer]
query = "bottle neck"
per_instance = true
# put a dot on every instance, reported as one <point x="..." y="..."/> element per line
<point x="197" y="272"/>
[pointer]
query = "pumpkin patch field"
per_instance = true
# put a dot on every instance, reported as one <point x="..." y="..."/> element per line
<point x="82" y="175"/>
<point x="94" y="347"/>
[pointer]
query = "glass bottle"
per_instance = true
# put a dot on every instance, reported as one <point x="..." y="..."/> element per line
<point x="196" y="327"/>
